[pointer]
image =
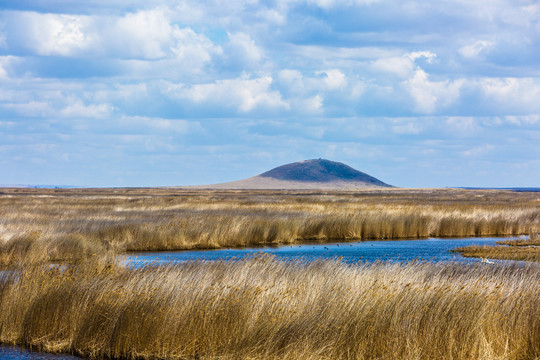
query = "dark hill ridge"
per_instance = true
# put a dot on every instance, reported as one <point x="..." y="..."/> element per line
<point x="321" y="170"/>
<point x="319" y="174"/>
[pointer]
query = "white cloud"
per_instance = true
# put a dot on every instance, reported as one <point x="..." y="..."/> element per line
<point x="271" y="16"/>
<point x="532" y="119"/>
<point x="328" y="4"/>
<point x="3" y="72"/>
<point x="244" y="95"/>
<point x="160" y="124"/>
<point x="291" y="77"/>
<point x="313" y="104"/>
<point x="401" y="66"/>
<point x="48" y="34"/>
<point x="334" y="79"/>
<point x="461" y="125"/>
<point x="404" y="65"/>
<point x="30" y="109"/>
<point x="242" y="49"/>
<point x="145" y="34"/>
<point x="431" y="95"/>
<point x="79" y="110"/>
<point x="193" y="50"/>
<point x="473" y="50"/>
<point x="522" y="93"/>
<point x="422" y="54"/>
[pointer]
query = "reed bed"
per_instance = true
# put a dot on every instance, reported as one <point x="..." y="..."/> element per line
<point x="63" y="288"/>
<point x="261" y="308"/>
<point x="101" y="220"/>
<point x="527" y="249"/>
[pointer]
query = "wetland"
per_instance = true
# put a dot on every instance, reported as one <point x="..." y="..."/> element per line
<point x="296" y="288"/>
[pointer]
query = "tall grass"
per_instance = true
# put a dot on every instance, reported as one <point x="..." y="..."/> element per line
<point x="62" y="288"/>
<point x="526" y="249"/>
<point x="266" y="309"/>
<point x="166" y="219"/>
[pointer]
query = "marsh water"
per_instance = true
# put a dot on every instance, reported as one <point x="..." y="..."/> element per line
<point x="432" y="249"/>
<point x="15" y="353"/>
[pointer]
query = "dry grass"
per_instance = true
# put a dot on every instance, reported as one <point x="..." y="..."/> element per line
<point x="266" y="309"/>
<point x="518" y="249"/>
<point x="101" y="220"/>
<point x="532" y="240"/>
<point x="63" y="290"/>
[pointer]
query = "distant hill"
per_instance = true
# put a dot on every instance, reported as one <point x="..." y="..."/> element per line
<point x="308" y="174"/>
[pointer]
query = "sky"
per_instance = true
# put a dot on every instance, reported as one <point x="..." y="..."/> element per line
<point x="182" y="92"/>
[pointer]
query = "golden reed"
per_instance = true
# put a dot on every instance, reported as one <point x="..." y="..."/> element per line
<point x="261" y="308"/>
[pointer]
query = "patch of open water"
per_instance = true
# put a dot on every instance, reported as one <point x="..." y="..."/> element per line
<point x="16" y="353"/>
<point x="431" y="249"/>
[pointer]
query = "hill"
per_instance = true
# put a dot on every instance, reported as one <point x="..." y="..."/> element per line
<point x="308" y="174"/>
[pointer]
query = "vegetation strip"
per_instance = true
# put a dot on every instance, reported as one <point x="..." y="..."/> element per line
<point x="62" y="288"/>
<point x="519" y="249"/>
<point x="261" y="308"/>
<point x="61" y="224"/>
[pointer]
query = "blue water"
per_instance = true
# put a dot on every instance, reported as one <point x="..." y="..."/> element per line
<point x="15" y="353"/>
<point x="432" y="249"/>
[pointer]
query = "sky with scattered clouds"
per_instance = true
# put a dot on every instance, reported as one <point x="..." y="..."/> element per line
<point x="159" y="92"/>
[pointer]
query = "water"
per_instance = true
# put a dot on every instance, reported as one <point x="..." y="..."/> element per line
<point x="432" y="249"/>
<point x="15" y="353"/>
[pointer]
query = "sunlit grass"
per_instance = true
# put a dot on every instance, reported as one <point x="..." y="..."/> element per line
<point x="63" y="289"/>
<point x="266" y="309"/>
<point x="96" y="221"/>
<point x="518" y="249"/>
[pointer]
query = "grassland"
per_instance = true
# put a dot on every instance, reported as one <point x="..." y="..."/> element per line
<point x="73" y="223"/>
<point x="63" y="287"/>
<point x="266" y="309"/>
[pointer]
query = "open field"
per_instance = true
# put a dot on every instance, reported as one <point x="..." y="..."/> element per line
<point x="519" y="249"/>
<point x="67" y="224"/>
<point x="63" y="289"/>
<point x="261" y="308"/>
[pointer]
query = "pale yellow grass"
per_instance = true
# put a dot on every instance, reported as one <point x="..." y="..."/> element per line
<point x="266" y="309"/>
<point x="120" y="220"/>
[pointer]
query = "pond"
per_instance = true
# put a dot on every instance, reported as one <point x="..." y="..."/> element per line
<point x="432" y="249"/>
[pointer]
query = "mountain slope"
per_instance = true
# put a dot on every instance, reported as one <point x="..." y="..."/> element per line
<point x="320" y="170"/>
<point x="309" y="174"/>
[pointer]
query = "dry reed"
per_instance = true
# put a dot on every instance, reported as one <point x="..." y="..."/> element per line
<point x="63" y="290"/>
<point x="98" y="220"/>
<point x="526" y="249"/>
<point x="262" y="308"/>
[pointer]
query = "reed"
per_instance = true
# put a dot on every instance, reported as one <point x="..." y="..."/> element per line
<point x="532" y="240"/>
<point x="261" y="308"/>
<point x="119" y="220"/>
<point x="526" y="249"/>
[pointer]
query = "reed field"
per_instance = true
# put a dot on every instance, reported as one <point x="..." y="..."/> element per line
<point x="519" y="249"/>
<point x="261" y="308"/>
<point x="65" y="288"/>
<point x="65" y="224"/>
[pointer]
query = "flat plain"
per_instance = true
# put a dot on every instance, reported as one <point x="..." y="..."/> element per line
<point x="64" y="287"/>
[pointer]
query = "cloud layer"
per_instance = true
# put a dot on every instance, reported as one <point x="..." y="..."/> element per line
<point x="165" y="92"/>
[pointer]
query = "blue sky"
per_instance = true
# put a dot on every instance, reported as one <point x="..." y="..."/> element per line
<point x="148" y="93"/>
